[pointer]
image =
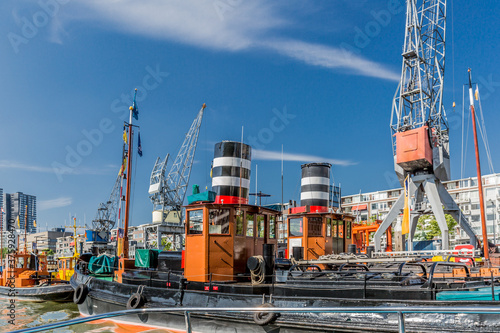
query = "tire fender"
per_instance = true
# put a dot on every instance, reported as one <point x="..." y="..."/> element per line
<point x="265" y="318"/>
<point x="135" y="301"/>
<point x="80" y="294"/>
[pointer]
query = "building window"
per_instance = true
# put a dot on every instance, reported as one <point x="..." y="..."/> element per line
<point x="218" y="221"/>
<point x="296" y="227"/>
<point x="195" y="220"/>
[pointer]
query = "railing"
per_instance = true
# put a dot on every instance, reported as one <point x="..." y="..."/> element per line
<point x="460" y="252"/>
<point x="399" y="310"/>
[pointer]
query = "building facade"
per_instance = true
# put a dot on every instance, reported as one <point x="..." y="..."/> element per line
<point x="376" y="205"/>
<point x="19" y="206"/>
<point x="45" y="240"/>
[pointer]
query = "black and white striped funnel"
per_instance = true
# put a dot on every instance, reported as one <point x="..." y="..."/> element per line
<point x="315" y="184"/>
<point x="231" y="172"/>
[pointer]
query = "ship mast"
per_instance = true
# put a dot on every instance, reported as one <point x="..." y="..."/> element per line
<point x="129" y="176"/>
<point x="479" y="178"/>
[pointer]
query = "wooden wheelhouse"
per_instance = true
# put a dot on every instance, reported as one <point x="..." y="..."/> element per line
<point x="24" y="269"/>
<point x="318" y="232"/>
<point x="221" y="237"/>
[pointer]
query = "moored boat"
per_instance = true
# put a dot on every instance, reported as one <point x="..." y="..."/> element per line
<point x="26" y="277"/>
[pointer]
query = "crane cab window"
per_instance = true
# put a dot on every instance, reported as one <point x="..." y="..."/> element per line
<point x="218" y="221"/>
<point x="195" y="220"/>
<point x="296" y="227"/>
<point x="250" y="220"/>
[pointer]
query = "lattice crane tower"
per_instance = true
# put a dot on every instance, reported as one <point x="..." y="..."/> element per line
<point x="167" y="193"/>
<point x="420" y="134"/>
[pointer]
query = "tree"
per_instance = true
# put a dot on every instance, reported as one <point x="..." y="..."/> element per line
<point x="428" y="227"/>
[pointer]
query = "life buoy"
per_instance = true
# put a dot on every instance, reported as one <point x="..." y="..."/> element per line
<point x="135" y="301"/>
<point x="265" y="318"/>
<point x="80" y="294"/>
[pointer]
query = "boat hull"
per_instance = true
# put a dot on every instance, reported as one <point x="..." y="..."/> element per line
<point x="56" y="293"/>
<point x="106" y="296"/>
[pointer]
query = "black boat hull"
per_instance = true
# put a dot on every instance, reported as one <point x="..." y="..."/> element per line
<point x="106" y="296"/>
<point x="56" y="293"/>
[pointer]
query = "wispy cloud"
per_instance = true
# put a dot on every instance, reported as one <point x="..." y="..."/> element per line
<point x="224" y="25"/>
<point x="5" y="164"/>
<point x="333" y="58"/>
<point x="26" y="167"/>
<point x="54" y="203"/>
<point x="276" y="156"/>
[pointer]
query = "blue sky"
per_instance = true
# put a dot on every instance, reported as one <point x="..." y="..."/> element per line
<point x="325" y="70"/>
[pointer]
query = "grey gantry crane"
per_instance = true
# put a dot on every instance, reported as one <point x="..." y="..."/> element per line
<point x="420" y="135"/>
<point x="167" y="192"/>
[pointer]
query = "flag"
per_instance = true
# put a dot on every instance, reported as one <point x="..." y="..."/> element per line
<point x="139" y="147"/>
<point x="124" y="135"/>
<point x="212" y="170"/>
<point x="405" y="227"/>
<point x="18" y="222"/>
<point x="133" y="108"/>
<point x="34" y="223"/>
<point x="476" y="94"/>
<point x="123" y="167"/>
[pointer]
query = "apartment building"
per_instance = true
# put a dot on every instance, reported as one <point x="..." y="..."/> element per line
<point x="376" y="205"/>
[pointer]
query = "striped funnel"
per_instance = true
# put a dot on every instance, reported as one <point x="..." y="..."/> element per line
<point x="231" y="172"/>
<point x="315" y="184"/>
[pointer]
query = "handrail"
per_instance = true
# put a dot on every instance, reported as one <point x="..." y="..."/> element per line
<point x="400" y="268"/>
<point x="428" y="284"/>
<point x="400" y="310"/>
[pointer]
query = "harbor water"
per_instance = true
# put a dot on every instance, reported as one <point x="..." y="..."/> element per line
<point x="31" y="314"/>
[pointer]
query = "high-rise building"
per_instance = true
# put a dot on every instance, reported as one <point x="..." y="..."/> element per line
<point x="19" y="206"/>
<point x="1" y="208"/>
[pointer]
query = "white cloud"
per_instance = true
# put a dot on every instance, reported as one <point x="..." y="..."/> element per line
<point x="333" y="58"/>
<point x="54" y="203"/>
<point x="229" y="25"/>
<point x="5" y="164"/>
<point x="276" y="156"/>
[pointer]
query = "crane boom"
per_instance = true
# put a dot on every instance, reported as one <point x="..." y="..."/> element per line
<point x="168" y="193"/>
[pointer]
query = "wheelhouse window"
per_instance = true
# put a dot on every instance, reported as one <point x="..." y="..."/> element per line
<point x="195" y="220"/>
<point x="250" y="220"/>
<point x="296" y="227"/>
<point x="315" y="226"/>
<point x="261" y="226"/>
<point x="340" y="229"/>
<point x="218" y="221"/>
<point x="328" y="227"/>
<point x="272" y="226"/>
<point x="348" y="229"/>
<point x="238" y="217"/>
